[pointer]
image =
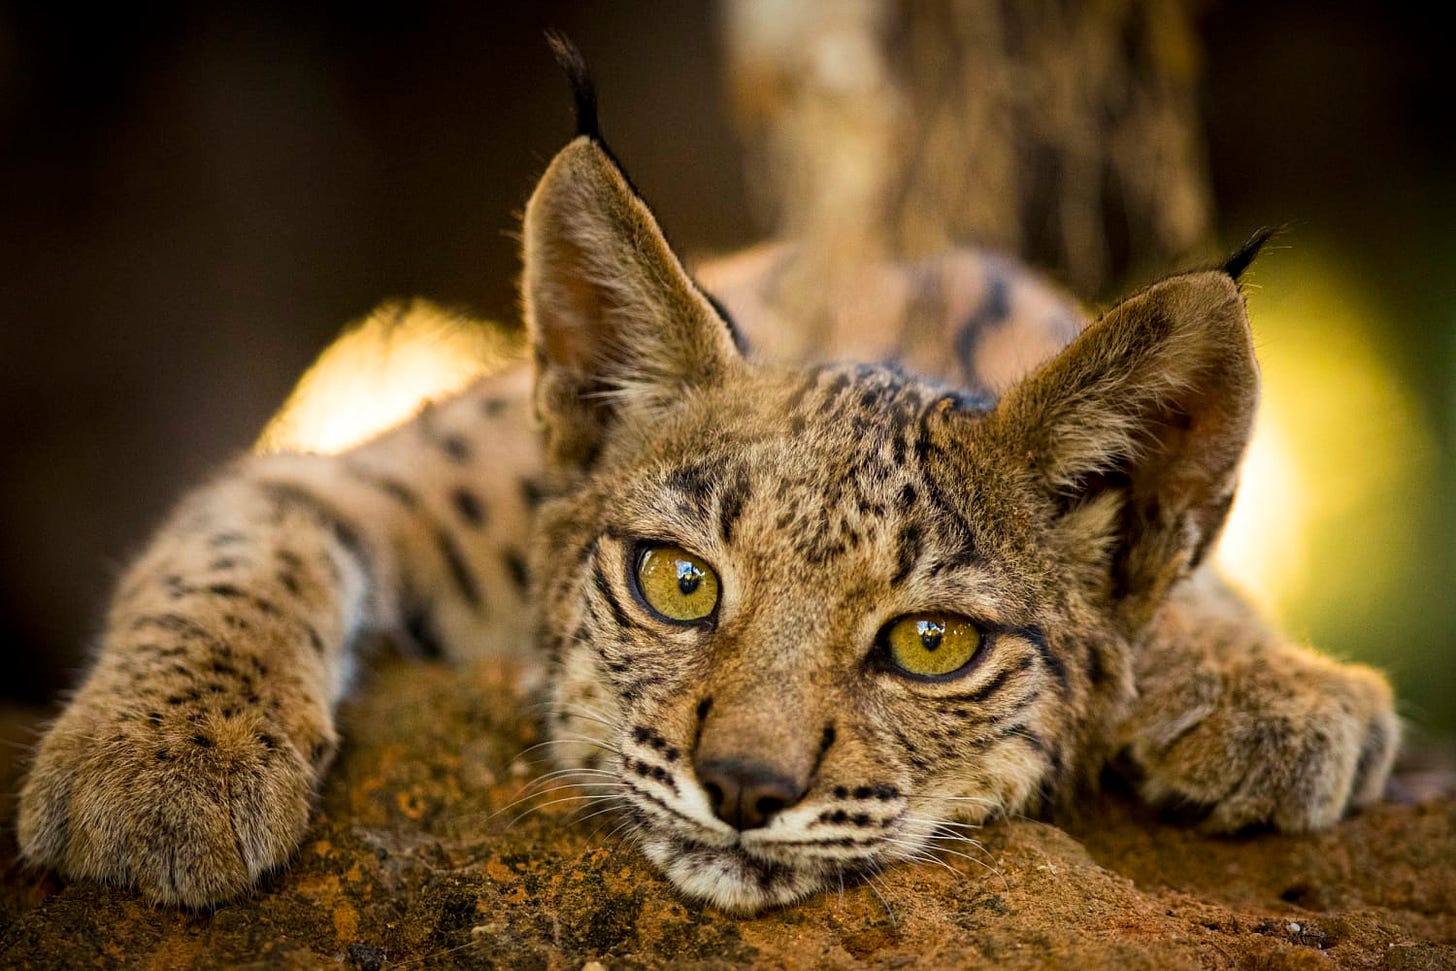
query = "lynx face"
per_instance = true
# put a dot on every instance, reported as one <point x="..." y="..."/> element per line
<point x="872" y="660"/>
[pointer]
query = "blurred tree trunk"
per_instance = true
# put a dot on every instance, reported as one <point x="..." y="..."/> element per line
<point x="1065" y="133"/>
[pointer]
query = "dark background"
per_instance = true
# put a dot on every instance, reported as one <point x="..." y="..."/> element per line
<point x="194" y="198"/>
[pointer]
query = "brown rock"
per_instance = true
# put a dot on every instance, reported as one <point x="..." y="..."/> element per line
<point x="419" y="857"/>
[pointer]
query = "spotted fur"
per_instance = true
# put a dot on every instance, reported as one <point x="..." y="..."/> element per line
<point x="1059" y="485"/>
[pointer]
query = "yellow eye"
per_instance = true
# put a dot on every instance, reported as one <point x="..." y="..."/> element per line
<point x="676" y="584"/>
<point x="931" y="645"/>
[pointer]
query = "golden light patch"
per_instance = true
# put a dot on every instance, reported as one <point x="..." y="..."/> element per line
<point x="1332" y="495"/>
<point x="381" y="371"/>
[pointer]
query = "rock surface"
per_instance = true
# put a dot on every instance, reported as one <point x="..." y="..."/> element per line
<point x="413" y="861"/>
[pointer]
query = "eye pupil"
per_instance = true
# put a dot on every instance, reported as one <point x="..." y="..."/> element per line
<point x="931" y="634"/>
<point x="689" y="578"/>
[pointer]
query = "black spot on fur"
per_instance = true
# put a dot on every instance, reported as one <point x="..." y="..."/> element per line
<point x="175" y="624"/>
<point x="704" y="706"/>
<point x="201" y="741"/>
<point x="695" y="483"/>
<point x="907" y="552"/>
<point x="986" y="691"/>
<point x="457" y="448"/>
<point x="516" y="567"/>
<point x="731" y="502"/>
<point x="314" y="640"/>
<point x="604" y="589"/>
<point x="826" y="741"/>
<point x="993" y="309"/>
<point x="532" y="493"/>
<point x="465" y="583"/>
<point x="388" y="485"/>
<point x="1096" y="666"/>
<point x="420" y="626"/>
<point x="469" y="506"/>
<point x="1053" y="663"/>
<point x="344" y="531"/>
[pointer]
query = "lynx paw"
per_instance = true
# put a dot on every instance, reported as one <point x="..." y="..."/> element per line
<point x="1292" y="740"/>
<point x="190" y="810"/>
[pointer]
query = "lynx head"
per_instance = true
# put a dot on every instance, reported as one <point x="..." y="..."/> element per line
<point x="803" y="618"/>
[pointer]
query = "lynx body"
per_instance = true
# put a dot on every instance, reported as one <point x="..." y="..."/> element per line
<point x="949" y="582"/>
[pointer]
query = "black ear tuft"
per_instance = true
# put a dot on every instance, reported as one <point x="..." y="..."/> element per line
<point x="1236" y="264"/>
<point x="583" y="88"/>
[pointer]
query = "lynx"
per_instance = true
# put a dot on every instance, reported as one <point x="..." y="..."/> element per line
<point x="800" y="613"/>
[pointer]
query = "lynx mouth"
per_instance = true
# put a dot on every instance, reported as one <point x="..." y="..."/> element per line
<point x="743" y="873"/>
<point x="729" y="878"/>
<point x="736" y="880"/>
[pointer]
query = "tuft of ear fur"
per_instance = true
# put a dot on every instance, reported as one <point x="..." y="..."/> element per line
<point x="583" y="88"/>
<point x="615" y="321"/>
<point x="1241" y="258"/>
<point x="1154" y="401"/>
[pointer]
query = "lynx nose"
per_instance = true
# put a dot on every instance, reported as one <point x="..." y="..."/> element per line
<point x="744" y="794"/>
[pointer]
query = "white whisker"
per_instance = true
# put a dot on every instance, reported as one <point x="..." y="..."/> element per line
<point x="889" y="911"/>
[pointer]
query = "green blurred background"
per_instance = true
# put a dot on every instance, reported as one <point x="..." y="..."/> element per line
<point x="1336" y="118"/>
<point x="195" y="197"/>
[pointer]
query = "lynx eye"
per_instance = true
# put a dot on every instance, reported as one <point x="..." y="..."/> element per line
<point x="931" y="645"/>
<point x="677" y="585"/>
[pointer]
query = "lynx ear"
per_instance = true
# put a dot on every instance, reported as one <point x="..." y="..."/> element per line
<point x="615" y="320"/>
<point x="1156" y="400"/>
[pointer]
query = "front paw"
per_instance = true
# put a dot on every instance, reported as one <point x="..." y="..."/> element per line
<point x="190" y="808"/>
<point x="1290" y="739"/>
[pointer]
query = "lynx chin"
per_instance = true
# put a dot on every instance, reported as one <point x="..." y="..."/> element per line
<point x="800" y="613"/>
